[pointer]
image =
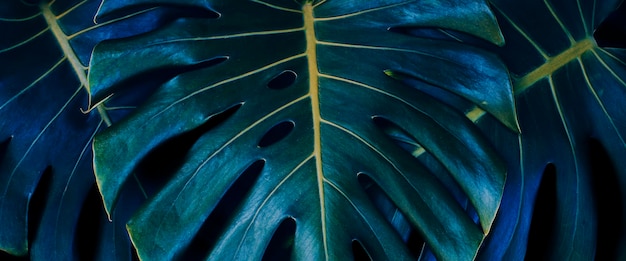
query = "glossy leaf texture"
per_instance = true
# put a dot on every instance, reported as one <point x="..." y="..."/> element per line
<point x="294" y="116"/>
<point x="569" y="95"/>
<point x="49" y="205"/>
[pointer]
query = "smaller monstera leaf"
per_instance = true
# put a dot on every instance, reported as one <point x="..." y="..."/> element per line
<point x="45" y="136"/>
<point x="46" y="175"/>
<point x="310" y="104"/>
<point x="570" y="94"/>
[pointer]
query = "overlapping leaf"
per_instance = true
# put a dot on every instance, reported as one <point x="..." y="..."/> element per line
<point x="45" y="139"/>
<point x="569" y="92"/>
<point x="305" y="102"/>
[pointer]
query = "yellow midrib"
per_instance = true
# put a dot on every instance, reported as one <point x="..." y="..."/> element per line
<point x="553" y="64"/>
<point x="311" y="52"/>
<point x="62" y="39"/>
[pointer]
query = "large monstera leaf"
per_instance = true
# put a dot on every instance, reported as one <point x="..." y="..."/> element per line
<point x="570" y="93"/>
<point x="299" y="114"/>
<point x="49" y="204"/>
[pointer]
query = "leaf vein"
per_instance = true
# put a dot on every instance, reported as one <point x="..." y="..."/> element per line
<point x="600" y="103"/>
<point x="25" y="41"/>
<point x="267" y="198"/>
<point x="223" y="82"/>
<point x="277" y="7"/>
<point x="32" y="144"/>
<point x="208" y="159"/>
<point x="217" y="37"/>
<point x="362" y="11"/>
<point x="44" y="75"/>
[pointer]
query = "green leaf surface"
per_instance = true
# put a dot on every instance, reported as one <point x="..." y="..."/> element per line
<point x="306" y="102"/>
<point x="569" y="94"/>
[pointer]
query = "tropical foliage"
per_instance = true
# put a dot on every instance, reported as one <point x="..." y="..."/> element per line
<point x="332" y="129"/>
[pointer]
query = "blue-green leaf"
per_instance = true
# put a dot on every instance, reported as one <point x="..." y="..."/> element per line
<point x="361" y="96"/>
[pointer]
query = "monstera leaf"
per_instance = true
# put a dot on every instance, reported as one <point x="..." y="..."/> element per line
<point x="49" y="204"/>
<point x="298" y="119"/>
<point x="569" y="93"/>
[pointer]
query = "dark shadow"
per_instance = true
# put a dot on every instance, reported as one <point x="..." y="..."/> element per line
<point x="4" y="145"/>
<point x="608" y="202"/>
<point x="86" y="235"/>
<point x="282" y="242"/>
<point x="359" y="252"/>
<point x="38" y="203"/>
<point x="6" y="257"/>
<point x="612" y="32"/>
<point x="541" y="234"/>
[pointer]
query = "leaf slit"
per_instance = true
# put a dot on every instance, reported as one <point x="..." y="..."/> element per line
<point x="283" y="80"/>
<point x="156" y="169"/>
<point x="436" y="33"/>
<point x="612" y="32"/>
<point x="359" y="252"/>
<point x="609" y="205"/>
<point x="276" y="133"/>
<point x="37" y="203"/>
<point x="392" y="214"/>
<point x="542" y="226"/>
<point x="223" y="214"/>
<point x="400" y="136"/>
<point x="281" y="245"/>
<point x="148" y="82"/>
<point x="4" y="145"/>
<point x="88" y="227"/>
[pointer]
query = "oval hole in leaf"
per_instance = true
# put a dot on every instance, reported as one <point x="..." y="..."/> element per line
<point x="282" y="242"/>
<point x="157" y="168"/>
<point x="399" y="135"/>
<point x="359" y="252"/>
<point x="223" y="213"/>
<point x="544" y="217"/>
<point x="391" y="213"/>
<point x="88" y="227"/>
<point x="283" y="80"/>
<point x="608" y="202"/>
<point x="276" y="133"/>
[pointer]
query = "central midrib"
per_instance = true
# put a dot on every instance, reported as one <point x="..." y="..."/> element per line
<point x="311" y="42"/>
<point x="71" y="56"/>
